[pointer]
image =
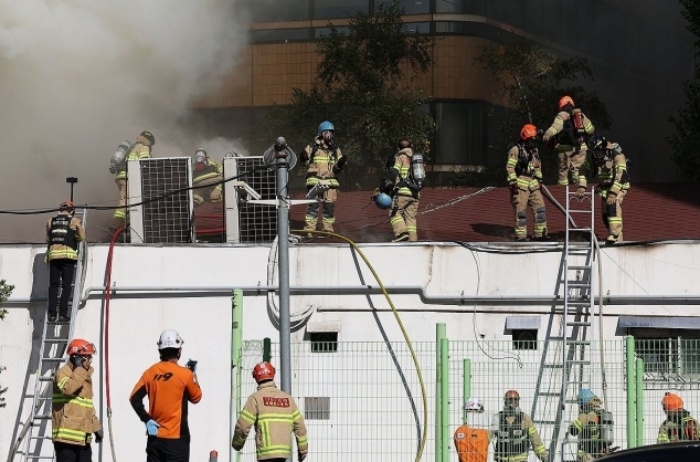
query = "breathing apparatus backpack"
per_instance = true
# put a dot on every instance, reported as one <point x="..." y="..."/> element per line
<point x="416" y="172"/>
<point x="573" y="132"/>
<point x="118" y="160"/>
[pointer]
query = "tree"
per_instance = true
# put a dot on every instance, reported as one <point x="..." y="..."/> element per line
<point x="685" y="140"/>
<point x="531" y="82"/>
<point x="5" y="291"/>
<point x="365" y="86"/>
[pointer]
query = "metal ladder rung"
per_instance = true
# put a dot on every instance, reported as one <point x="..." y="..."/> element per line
<point x="578" y="342"/>
<point x="544" y="422"/>
<point x="578" y="323"/>
<point x="579" y="361"/>
<point x="553" y="366"/>
<point x="578" y="284"/>
<point x="42" y="417"/>
<point x="579" y="267"/>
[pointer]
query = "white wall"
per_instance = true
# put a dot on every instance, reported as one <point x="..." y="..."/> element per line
<point x="205" y="321"/>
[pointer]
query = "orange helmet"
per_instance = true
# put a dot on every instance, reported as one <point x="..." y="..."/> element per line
<point x="67" y="205"/>
<point x="672" y="402"/>
<point x="564" y="101"/>
<point x="528" y="131"/>
<point x="79" y="346"/>
<point x="263" y="371"/>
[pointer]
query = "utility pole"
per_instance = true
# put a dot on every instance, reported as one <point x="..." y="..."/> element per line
<point x="72" y="180"/>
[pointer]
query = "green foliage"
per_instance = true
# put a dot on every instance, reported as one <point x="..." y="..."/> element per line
<point x="5" y="291"/>
<point x="532" y="81"/>
<point x="685" y="140"/>
<point x="365" y="87"/>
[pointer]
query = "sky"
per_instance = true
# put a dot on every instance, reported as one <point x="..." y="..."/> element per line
<point x="77" y="77"/>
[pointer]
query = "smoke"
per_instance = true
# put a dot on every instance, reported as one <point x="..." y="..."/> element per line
<point x="77" y="77"/>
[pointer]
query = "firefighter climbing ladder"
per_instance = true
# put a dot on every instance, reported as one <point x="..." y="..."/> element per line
<point x="566" y="365"/>
<point x="35" y="436"/>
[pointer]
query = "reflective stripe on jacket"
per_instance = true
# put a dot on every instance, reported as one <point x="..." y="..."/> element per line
<point x="212" y="169"/>
<point x="321" y="160"/>
<point x="530" y="177"/>
<point x="63" y="232"/>
<point x="73" y="413"/>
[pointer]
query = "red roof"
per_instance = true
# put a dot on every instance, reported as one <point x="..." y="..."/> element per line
<point x="651" y="212"/>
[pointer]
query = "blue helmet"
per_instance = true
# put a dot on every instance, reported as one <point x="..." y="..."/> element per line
<point x="325" y="125"/>
<point x="383" y="201"/>
<point x="584" y="396"/>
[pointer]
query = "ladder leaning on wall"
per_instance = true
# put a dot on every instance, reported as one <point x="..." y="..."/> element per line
<point x="567" y="357"/>
<point x="35" y="435"/>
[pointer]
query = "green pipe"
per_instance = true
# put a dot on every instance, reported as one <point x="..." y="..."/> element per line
<point x="266" y="349"/>
<point x="439" y="334"/>
<point x="466" y="385"/>
<point x="631" y="391"/>
<point x="445" y="384"/>
<point x="640" y="401"/>
<point x="236" y="356"/>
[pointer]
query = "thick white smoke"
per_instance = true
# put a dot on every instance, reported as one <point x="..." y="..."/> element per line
<point x="78" y="76"/>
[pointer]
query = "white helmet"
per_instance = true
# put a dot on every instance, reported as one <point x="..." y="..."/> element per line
<point x="169" y="338"/>
<point x="473" y="404"/>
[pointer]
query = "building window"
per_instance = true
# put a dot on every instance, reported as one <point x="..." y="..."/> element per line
<point x="524" y="339"/>
<point x="410" y="6"/>
<point x="282" y="11"/>
<point x="461" y="133"/>
<point x="317" y="408"/>
<point x="328" y="9"/>
<point x="323" y="342"/>
<point x="674" y="357"/>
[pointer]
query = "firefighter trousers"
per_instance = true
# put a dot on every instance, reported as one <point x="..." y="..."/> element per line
<point x="403" y="217"/>
<point x="612" y="216"/>
<point x="327" y="198"/>
<point x="570" y="162"/>
<point x="521" y="202"/>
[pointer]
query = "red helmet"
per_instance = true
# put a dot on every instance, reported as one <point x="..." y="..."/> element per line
<point x="528" y="131"/>
<point x="511" y="394"/>
<point x="67" y="205"/>
<point x="263" y="371"/>
<point x="79" y="346"/>
<point x="564" y="101"/>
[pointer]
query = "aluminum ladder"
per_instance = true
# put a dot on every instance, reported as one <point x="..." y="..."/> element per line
<point x="35" y="436"/>
<point x="567" y="357"/>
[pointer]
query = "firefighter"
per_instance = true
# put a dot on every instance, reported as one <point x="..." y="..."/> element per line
<point x="73" y="414"/>
<point x="63" y="233"/>
<point x="168" y="387"/>
<point x="524" y="170"/>
<point x="472" y="438"/>
<point x="275" y="416"/>
<point x="141" y="149"/>
<point x="514" y="432"/>
<point x="594" y="427"/>
<point x="611" y="165"/>
<point x="324" y="162"/>
<point x="570" y="128"/>
<point x="404" y="185"/>
<point x="207" y="178"/>
<point x="679" y="424"/>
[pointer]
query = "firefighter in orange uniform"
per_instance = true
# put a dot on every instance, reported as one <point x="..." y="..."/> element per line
<point x="569" y="129"/>
<point x="472" y="438"/>
<point x="169" y="387"/>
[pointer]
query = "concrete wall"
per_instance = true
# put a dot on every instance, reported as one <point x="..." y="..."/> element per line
<point x="204" y="319"/>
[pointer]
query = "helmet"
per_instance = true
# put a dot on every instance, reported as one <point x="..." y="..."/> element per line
<point x="67" y="205"/>
<point x="564" y="101"/>
<point x="598" y="143"/>
<point x="473" y="404"/>
<point x="149" y="136"/>
<point x="263" y="371"/>
<point x="584" y="396"/>
<point x="325" y="125"/>
<point x="169" y="338"/>
<point x="672" y="402"/>
<point x="199" y="156"/>
<point x="528" y="131"/>
<point x="511" y="400"/>
<point x="79" y="346"/>
<point x="383" y="201"/>
<point x="511" y="394"/>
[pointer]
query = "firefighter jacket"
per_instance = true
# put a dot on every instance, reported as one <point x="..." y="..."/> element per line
<point x="138" y="151"/>
<point x="679" y="426"/>
<point x="321" y="160"/>
<point x="169" y="388"/>
<point x="588" y="428"/>
<point x="212" y="169"/>
<point x="514" y="432"/>
<point x="562" y="143"/>
<point x="63" y="233"/>
<point x="524" y="167"/>
<point x="400" y="173"/>
<point x="275" y="416"/>
<point x="73" y="413"/>
<point x="612" y="172"/>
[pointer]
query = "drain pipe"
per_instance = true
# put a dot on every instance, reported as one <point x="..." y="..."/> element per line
<point x="236" y="361"/>
<point x="491" y="300"/>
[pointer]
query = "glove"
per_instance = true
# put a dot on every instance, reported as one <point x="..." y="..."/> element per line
<point x="387" y="186"/>
<point x="215" y="194"/>
<point x="340" y="164"/>
<point x="99" y="434"/>
<point x="513" y="187"/>
<point x="78" y="361"/>
<point x="612" y="198"/>
<point x="192" y="365"/>
<point x="580" y="192"/>
<point x="302" y="457"/>
<point x="544" y="456"/>
<point x="152" y="427"/>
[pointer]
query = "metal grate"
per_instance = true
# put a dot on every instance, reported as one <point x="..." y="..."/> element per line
<point x="167" y="219"/>
<point x="317" y="408"/>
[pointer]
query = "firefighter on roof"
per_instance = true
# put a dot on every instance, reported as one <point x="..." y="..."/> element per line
<point x="611" y="165"/>
<point x="324" y="162"/>
<point x="569" y="130"/>
<point x="514" y="432"/>
<point x="594" y="427"/>
<point x="679" y="424"/>
<point x="141" y="149"/>
<point x="524" y="170"/>
<point x="275" y="416"/>
<point x="207" y="178"/>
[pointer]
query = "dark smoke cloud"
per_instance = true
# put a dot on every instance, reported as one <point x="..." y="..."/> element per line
<point x="78" y="76"/>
